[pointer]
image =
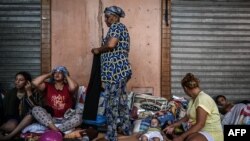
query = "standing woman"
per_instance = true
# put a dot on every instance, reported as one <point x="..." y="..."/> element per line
<point x="115" y="72"/>
<point x="202" y="114"/>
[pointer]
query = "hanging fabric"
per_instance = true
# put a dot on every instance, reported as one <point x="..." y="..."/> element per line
<point x="93" y="91"/>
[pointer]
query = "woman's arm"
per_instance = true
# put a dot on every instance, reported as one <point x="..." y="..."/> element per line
<point x="169" y="129"/>
<point x="112" y="42"/>
<point x="73" y="86"/>
<point x="39" y="81"/>
<point x="201" y="116"/>
<point x="178" y="123"/>
<point x="30" y="99"/>
<point x="28" y="88"/>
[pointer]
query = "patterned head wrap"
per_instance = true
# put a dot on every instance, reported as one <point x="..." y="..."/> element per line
<point x="114" y="10"/>
<point x="61" y="69"/>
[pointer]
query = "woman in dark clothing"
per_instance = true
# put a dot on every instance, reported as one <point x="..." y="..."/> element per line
<point x="16" y="108"/>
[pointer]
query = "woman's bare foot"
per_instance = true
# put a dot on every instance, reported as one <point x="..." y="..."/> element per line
<point x="76" y="134"/>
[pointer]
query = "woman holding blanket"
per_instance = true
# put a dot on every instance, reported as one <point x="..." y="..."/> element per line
<point x="115" y="72"/>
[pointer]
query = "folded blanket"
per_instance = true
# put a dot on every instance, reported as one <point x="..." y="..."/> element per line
<point x="39" y="128"/>
<point x="35" y="128"/>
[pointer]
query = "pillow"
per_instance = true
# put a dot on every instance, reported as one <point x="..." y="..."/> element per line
<point x="147" y="105"/>
<point x="141" y="125"/>
<point x="80" y="99"/>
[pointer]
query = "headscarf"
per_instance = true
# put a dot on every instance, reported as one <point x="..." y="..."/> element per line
<point x="114" y="10"/>
<point x="61" y="69"/>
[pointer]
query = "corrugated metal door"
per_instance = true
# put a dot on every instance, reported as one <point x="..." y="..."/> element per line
<point x="211" y="38"/>
<point x="19" y="39"/>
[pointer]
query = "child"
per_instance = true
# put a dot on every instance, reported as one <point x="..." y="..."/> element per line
<point x="154" y="131"/>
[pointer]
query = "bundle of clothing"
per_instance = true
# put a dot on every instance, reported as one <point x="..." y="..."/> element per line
<point x="238" y="115"/>
<point x="176" y="109"/>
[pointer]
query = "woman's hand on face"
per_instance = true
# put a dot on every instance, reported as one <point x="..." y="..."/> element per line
<point x="28" y="86"/>
<point x="95" y="51"/>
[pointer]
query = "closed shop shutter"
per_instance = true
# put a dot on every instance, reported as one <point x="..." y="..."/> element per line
<point x="211" y="38"/>
<point x="19" y="39"/>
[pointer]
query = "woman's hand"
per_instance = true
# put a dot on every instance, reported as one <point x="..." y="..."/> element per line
<point x="95" y="51"/>
<point x="169" y="129"/>
<point x="28" y="86"/>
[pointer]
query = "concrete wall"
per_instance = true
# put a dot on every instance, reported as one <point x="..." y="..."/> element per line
<point x="77" y="27"/>
<point x="75" y="30"/>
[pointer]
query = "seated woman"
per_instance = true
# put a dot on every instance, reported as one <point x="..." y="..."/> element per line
<point x="17" y="106"/>
<point x="58" y="99"/>
<point x="202" y="115"/>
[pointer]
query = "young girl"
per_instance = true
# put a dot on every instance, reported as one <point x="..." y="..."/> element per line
<point x="58" y="98"/>
<point x="17" y="106"/>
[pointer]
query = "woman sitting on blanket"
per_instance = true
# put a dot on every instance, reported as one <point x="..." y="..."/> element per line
<point x="17" y="105"/>
<point x="202" y="115"/>
<point x="59" y="100"/>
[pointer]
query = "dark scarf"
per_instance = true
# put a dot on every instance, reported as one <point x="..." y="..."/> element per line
<point x="11" y="105"/>
<point x="93" y="91"/>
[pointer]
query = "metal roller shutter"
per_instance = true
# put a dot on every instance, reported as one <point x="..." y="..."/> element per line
<point x="211" y="38"/>
<point x="19" y="39"/>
